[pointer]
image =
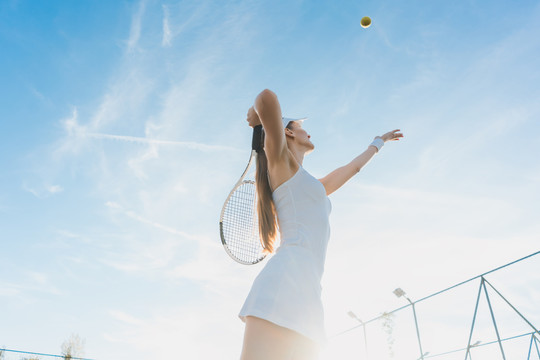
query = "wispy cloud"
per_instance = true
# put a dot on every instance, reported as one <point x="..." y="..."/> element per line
<point x="140" y="140"/>
<point x="44" y="191"/>
<point x="125" y="318"/>
<point x="71" y="143"/>
<point x="154" y="224"/>
<point x="68" y="234"/>
<point x="194" y="324"/>
<point x="135" y="31"/>
<point x="133" y="253"/>
<point x="9" y="290"/>
<point x="32" y="283"/>
<point x="55" y="189"/>
<point x="178" y="18"/>
<point x="39" y="95"/>
<point x="212" y="268"/>
<point x="167" y="36"/>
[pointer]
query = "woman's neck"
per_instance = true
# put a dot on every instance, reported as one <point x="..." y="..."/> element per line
<point x="298" y="154"/>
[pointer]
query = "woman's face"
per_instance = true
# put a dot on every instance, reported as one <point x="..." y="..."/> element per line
<point x="301" y="136"/>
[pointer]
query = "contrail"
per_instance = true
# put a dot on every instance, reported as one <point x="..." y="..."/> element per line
<point x="141" y="140"/>
<point x="143" y="220"/>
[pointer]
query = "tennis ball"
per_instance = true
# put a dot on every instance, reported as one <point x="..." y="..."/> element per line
<point x="365" y="22"/>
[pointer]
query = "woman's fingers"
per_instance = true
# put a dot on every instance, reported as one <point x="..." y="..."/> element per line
<point x="392" y="135"/>
<point x="252" y="117"/>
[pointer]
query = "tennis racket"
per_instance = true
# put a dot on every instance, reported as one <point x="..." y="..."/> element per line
<point x="239" y="223"/>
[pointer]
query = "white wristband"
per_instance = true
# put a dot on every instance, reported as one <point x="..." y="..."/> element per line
<point x="378" y="143"/>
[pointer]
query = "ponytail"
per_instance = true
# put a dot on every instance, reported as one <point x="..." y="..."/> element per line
<point x="266" y="209"/>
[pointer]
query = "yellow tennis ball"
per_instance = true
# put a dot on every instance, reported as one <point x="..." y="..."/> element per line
<point x="365" y="22"/>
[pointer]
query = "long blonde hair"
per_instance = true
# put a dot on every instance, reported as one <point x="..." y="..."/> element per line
<point x="266" y="209"/>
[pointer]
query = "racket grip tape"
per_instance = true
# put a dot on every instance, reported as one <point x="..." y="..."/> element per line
<point x="256" y="142"/>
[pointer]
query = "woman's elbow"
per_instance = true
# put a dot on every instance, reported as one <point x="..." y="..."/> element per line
<point x="267" y="92"/>
<point x="266" y="96"/>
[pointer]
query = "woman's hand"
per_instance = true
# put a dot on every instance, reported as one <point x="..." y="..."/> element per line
<point x="253" y="118"/>
<point x="391" y="135"/>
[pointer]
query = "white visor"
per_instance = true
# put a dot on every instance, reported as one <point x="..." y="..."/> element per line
<point x="286" y="121"/>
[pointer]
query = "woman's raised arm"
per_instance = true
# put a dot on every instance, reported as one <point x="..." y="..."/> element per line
<point x="268" y="110"/>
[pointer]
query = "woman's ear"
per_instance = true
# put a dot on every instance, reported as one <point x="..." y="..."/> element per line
<point x="289" y="132"/>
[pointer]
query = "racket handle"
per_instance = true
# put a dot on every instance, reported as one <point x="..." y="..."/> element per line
<point x="256" y="141"/>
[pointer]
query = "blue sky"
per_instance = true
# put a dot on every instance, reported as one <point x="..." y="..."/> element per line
<point x="123" y="131"/>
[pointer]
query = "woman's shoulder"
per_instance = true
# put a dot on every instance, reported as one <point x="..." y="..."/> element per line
<point x="282" y="171"/>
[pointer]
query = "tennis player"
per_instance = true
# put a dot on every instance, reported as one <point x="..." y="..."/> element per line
<point x="283" y="312"/>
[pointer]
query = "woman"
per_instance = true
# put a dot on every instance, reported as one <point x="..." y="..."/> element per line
<point x="283" y="311"/>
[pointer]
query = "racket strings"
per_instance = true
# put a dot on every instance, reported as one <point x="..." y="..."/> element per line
<point x="241" y="226"/>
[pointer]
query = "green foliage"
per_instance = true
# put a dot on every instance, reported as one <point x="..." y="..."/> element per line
<point x="388" y="327"/>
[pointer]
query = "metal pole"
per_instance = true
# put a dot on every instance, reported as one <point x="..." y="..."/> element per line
<point x="536" y="345"/>
<point x="530" y="347"/>
<point x="512" y="306"/>
<point x="417" y="330"/>
<point x="468" y="353"/>
<point x="365" y="340"/>
<point x="493" y="318"/>
<point x="353" y="315"/>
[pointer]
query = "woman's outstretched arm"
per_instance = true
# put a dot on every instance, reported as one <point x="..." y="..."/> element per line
<point x="341" y="175"/>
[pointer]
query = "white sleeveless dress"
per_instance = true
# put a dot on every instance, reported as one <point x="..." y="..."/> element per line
<point x="287" y="291"/>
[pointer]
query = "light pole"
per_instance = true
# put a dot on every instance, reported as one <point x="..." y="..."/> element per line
<point x="353" y="315"/>
<point x="399" y="293"/>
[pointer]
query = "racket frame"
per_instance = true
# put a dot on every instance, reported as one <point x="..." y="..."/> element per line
<point x="256" y="145"/>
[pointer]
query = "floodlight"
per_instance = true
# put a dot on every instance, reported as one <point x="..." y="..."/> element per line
<point x="399" y="292"/>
